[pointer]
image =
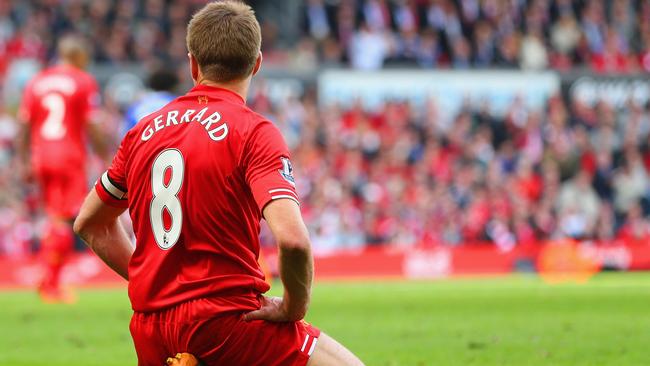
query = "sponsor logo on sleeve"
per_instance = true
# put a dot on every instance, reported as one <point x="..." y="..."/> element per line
<point x="287" y="171"/>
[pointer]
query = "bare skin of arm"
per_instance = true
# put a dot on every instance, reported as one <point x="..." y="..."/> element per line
<point x="98" y="225"/>
<point x="22" y="148"/>
<point x="296" y="264"/>
<point x="98" y="140"/>
<point x="296" y="273"/>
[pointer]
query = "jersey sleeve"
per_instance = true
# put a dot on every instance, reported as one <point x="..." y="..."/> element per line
<point x="111" y="186"/>
<point x="267" y="165"/>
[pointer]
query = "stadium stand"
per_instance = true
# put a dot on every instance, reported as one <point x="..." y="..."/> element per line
<point x="394" y="174"/>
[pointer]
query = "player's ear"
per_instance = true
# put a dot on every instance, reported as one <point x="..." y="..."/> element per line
<point x="194" y="67"/>
<point x="258" y="64"/>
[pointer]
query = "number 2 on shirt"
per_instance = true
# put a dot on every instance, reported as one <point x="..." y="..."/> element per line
<point x="53" y="128"/>
<point x="165" y="197"/>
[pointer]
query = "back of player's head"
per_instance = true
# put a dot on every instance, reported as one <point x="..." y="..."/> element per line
<point x="73" y="50"/>
<point x="225" y="39"/>
<point x="162" y="79"/>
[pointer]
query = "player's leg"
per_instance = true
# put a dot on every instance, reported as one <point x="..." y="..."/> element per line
<point x="229" y="340"/>
<point x="56" y="238"/>
<point x="148" y="332"/>
<point x="329" y="352"/>
<point x="56" y="244"/>
<point x="65" y="190"/>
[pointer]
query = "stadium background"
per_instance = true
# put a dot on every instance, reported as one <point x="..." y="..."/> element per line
<point x="442" y="128"/>
<point x="430" y="138"/>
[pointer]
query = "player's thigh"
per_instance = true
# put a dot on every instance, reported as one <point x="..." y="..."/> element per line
<point x="329" y="352"/>
<point x="253" y="343"/>
<point x="62" y="191"/>
<point x="44" y="181"/>
<point x="75" y="188"/>
<point x="148" y="341"/>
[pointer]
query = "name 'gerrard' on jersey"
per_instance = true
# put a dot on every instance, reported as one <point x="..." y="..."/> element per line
<point x="217" y="131"/>
<point x="195" y="204"/>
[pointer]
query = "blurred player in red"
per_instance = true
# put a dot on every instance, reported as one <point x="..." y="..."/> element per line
<point x="197" y="176"/>
<point x="57" y="115"/>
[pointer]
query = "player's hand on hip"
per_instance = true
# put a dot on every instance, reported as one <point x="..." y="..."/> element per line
<point x="273" y="309"/>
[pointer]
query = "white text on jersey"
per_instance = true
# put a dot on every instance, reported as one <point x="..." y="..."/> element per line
<point x="217" y="131"/>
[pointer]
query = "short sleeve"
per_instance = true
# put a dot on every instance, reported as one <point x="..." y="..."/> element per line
<point x="267" y="165"/>
<point x="26" y="105"/>
<point x="111" y="186"/>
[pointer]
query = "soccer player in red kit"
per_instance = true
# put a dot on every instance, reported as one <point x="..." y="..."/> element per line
<point x="197" y="176"/>
<point x="57" y="114"/>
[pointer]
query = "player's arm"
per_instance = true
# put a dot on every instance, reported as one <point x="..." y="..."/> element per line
<point x="98" y="226"/>
<point x="98" y="140"/>
<point x="269" y="175"/>
<point x="96" y="136"/>
<point x="22" y="146"/>
<point x="23" y="139"/>
<point x="295" y="261"/>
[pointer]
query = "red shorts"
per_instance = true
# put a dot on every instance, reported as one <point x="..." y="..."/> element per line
<point x="62" y="190"/>
<point x="221" y="339"/>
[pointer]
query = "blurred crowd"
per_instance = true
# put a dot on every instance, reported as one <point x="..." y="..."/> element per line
<point x="399" y="174"/>
<point x="148" y="32"/>
<point x="604" y="35"/>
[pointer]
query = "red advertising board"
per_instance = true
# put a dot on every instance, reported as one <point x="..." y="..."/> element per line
<point x="386" y="262"/>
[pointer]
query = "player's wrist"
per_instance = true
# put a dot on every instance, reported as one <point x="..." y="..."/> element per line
<point x="295" y="307"/>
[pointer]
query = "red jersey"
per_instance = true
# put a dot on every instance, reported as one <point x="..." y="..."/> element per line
<point x="57" y="103"/>
<point x="195" y="176"/>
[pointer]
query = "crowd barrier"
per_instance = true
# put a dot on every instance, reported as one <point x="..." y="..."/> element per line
<point x="380" y="263"/>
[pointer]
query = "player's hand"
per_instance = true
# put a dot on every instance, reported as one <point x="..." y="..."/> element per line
<point x="274" y="309"/>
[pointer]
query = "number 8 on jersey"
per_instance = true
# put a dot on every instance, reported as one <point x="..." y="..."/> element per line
<point x="165" y="197"/>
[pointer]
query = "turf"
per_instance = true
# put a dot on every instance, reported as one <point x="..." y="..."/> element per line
<point x="504" y="321"/>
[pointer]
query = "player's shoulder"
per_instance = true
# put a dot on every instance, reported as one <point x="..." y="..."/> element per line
<point x="262" y="133"/>
<point x="250" y="120"/>
<point x="131" y="135"/>
<point x="42" y="74"/>
<point x="251" y="127"/>
<point x="145" y="120"/>
<point x="50" y="78"/>
<point x="84" y="77"/>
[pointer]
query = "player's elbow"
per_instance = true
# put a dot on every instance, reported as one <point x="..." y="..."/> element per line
<point x="86" y="230"/>
<point x="296" y="242"/>
<point x="81" y="226"/>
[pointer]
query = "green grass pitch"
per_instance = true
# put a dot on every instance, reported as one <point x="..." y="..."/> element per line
<point x="515" y="320"/>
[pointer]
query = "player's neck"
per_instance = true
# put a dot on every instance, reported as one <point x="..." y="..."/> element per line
<point x="70" y="64"/>
<point x="239" y="87"/>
